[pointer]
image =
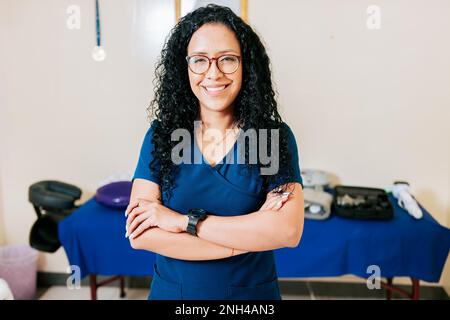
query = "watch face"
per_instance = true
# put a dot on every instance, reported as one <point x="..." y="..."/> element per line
<point x="197" y="212"/>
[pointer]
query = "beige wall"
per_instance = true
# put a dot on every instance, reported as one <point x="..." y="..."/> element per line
<point x="2" y="138"/>
<point x="370" y="106"/>
<point x="71" y="118"/>
<point x="2" y="223"/>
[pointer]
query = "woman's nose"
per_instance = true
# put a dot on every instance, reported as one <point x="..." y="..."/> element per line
<point x="213" y="71"/>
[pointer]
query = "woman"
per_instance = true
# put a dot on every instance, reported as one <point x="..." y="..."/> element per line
<point x="214" y="224"/>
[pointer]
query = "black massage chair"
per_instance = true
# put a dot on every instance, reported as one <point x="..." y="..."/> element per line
<point x="52" y="201"/>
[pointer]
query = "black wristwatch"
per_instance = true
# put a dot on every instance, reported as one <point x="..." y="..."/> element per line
<point x="195" y="215"/>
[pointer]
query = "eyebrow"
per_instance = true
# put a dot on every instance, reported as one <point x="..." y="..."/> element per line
<point x="205" y="53"/>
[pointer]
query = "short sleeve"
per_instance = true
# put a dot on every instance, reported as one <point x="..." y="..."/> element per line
<point x="142" y="170"/>
<point x="294" y="161"/>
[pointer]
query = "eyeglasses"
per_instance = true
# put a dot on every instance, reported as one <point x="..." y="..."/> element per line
<point x="227" y="64"/>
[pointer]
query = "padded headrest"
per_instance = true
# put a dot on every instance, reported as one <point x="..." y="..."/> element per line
<point x="44" y="234"/>
<point x="52" y="194"/>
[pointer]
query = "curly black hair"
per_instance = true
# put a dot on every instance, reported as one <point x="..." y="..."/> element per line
<point x="175" y="106"/>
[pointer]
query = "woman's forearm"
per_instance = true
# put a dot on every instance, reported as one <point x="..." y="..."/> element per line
<point x="181" y="245"/>
<point x="258" y="231"/>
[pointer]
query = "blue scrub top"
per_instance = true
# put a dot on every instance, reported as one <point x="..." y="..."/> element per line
<point x="227" y="189"/>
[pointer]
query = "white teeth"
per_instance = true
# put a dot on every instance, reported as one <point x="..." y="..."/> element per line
<point x="215" y="89"/>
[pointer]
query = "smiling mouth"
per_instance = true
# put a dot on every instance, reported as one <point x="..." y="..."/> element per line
<point x="215" y="89"/>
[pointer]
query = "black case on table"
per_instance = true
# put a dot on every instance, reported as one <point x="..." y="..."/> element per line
<point x="377" y="205"/>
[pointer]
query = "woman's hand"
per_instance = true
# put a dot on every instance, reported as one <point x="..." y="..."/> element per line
<point x="275" y="200"/>
<point x="144" y="214"/>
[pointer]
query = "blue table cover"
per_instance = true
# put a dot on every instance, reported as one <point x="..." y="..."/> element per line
<point x="94" y="239"/>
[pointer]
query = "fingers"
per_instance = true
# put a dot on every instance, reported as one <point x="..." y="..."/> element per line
<point x="139" y="215"/>
<point x="275" y="200"/>
<point x="133" y="204"/>
<point x="270" y="201"/>
<point x="278" y="205"/>
<point x="285" y="196"/>
<point x="141" y="228"/>
<point x="135" y="212"/>
<point x="267" y="205"/>
<point x="138" y="207"/>
<point x="129" y="208"/>
<point x="144" y="217"/>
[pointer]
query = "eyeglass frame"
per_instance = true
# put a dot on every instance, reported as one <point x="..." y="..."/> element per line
<point x="210" y="60"/>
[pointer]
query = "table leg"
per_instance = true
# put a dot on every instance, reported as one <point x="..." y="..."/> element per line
<point x="415" y="289"/>
<point x="388" y="289"/>
<point x="122" y="287"/>
<point x="414" y="294"/>
<point x="93" y="285"/>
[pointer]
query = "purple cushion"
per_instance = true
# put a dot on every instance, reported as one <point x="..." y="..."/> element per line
<point x="115" y="194"/>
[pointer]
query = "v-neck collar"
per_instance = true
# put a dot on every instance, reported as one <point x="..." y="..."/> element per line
<point x="222" y="160"/>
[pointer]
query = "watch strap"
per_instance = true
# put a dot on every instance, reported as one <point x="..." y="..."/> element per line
<point x="194" y="217"/>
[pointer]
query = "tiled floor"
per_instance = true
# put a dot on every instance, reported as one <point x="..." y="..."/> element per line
<point x="53" y="286"/>
<point x="112" y="293"/>
<point x="304" y="291"/>
<point x="104" y="293"/>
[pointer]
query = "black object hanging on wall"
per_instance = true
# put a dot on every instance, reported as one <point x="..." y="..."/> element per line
<point x="98" y="54"/>
<point x="97" y="24"/>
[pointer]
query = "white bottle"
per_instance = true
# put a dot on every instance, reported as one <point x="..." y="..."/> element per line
<point x="401" y="191"/>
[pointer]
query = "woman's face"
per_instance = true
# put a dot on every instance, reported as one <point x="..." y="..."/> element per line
<point x="215" y="90"/>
